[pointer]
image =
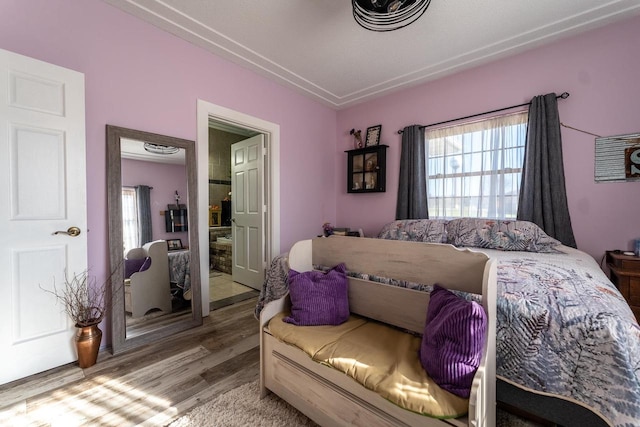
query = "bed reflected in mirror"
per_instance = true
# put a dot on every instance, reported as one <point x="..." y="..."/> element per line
<point x="153" y="236"/>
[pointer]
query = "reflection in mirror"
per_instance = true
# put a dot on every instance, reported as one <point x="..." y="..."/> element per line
<point x="153" y="236"/>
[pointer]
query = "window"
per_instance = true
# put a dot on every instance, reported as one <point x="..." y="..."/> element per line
<point x="129" y="219"/>
<point x="474" y="169"/>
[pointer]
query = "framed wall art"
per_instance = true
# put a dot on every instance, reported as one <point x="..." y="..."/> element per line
<point x="373" y="135"/>
<point x="174" y="244"/>
<point x="617" y="158"/>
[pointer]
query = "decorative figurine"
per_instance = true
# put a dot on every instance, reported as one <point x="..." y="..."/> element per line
<point x="327" y="229"/>
<point x="357" y="135"/>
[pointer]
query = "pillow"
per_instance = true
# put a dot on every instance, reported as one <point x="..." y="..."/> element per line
<point x="135" y="265"/>
<point x="500" y="234"/>
<point x="131" y="266"/>
<point x="146" y="264"/>
<point x="415" y="230"/>
<point x="319" y="298"/>
<point x="452" y="342"/>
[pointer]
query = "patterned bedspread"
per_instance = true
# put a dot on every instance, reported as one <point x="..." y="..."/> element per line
<point x="562" y="329"/>
<point x="179" y="271"/>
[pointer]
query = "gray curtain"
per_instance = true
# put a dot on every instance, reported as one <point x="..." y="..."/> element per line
<point x="143" y="195"/>
<point x="412" y="188"/>
<point x="543" y="197"/>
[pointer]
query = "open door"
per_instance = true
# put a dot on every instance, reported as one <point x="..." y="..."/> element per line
<point x="42" y="190"/>
<point x="248" y="211"/>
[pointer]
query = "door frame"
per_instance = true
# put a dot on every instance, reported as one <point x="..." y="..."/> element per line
<point x="207" y="111"/>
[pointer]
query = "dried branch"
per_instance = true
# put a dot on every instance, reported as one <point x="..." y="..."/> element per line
<point x="83" y="300"/>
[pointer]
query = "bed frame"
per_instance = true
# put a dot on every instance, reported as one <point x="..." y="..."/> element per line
<point x="330" y="397"/>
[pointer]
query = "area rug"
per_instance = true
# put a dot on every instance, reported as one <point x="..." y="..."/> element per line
<point x="242" y="407"/>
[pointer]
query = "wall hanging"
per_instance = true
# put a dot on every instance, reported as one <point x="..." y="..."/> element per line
<point x="617" y="158"/>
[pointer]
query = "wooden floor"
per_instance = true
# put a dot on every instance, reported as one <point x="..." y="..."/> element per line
<point x="151" y="385"/>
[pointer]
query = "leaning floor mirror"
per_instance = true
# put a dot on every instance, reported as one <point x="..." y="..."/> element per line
<point x="153" y="236"/>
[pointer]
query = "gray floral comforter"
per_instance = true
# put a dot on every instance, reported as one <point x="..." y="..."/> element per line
<point x="562" y="329"/>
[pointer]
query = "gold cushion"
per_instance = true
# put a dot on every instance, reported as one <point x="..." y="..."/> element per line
<point x="380" y="357"/>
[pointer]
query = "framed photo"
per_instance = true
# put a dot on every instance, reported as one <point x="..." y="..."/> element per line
<point x="214" y="217"/>
<point x="174" y="244"/>
<point x="373" y="135"/>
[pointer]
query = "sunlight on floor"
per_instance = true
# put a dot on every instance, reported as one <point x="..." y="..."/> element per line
<point x="101" y="400"/>
<point x="221" y="286"/>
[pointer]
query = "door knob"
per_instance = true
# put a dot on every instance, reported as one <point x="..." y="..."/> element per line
<point x="233" y="220"/>
<point x="71" y="231"/>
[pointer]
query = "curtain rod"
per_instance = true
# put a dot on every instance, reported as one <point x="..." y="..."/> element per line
<point x="564" y="95"/>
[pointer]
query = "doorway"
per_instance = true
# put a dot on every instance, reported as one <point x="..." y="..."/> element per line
<point x="216" y="119"/>
<point x="227" y="281"/>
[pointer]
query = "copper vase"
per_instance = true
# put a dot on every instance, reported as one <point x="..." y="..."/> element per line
<point x="88" y="340"/>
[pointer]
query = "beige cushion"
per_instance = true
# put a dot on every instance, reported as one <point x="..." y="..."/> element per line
<point x="379" y="357"/>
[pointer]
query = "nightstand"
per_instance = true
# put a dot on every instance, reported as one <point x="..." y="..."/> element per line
<point x="625" y="274"/>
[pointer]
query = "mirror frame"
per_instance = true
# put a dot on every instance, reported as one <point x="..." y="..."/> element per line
<point x="119" y="340"/>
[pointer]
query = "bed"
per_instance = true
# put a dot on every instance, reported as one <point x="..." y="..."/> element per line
<point x="568" y="345"/>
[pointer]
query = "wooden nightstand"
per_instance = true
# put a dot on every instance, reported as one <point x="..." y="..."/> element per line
<point x="625" y="274"/>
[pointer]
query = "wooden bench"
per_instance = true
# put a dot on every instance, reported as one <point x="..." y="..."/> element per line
<point x="331" y="398"/>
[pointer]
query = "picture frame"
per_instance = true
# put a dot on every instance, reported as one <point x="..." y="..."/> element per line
<point x="214" y="217"/>
<point x="174" y="244"/>
<point x="373" y="135"/>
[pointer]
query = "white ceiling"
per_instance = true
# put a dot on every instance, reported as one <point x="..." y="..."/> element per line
<point x="134" y="150"/>
<point x="316" y="47"/>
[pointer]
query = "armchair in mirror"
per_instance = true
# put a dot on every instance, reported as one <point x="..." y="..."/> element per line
<point x="153" y="236"/>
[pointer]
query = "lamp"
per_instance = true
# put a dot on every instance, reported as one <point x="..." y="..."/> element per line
<point x="160" y="149"/>
<point x="387" y="15"/>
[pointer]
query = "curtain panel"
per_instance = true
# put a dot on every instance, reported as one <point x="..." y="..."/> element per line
<point x="412" y="186"/>
<point x="543" y="196"/>
<point x="143" y="194"/>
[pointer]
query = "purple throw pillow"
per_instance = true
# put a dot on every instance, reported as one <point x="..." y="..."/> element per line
<point x="146" y="264"/>
<point x="319" y="298"/>
<point x="132" y="266"/>
<point x="135" y="265"/>
<point x="453" y="339"/>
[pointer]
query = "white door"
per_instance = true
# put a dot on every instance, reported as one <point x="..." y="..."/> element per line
<point x="247" y="211"/>
<point x="42" y="190"/>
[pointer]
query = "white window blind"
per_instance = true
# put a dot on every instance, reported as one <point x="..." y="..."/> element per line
<point x="474" y="169"/>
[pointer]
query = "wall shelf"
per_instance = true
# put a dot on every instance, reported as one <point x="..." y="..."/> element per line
<point x="175" y="220"/>
<point x="366" y="169"/>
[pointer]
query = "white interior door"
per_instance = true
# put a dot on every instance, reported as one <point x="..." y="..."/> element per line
<point x="247" y="211"/>
<point x="42" y="190"/>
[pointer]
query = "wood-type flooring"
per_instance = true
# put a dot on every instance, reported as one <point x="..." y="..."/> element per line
<point x="151" y="385"/>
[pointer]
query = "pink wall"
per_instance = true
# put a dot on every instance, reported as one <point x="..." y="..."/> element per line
<point x="600" y="71"/>
<point x="165" y="180"/>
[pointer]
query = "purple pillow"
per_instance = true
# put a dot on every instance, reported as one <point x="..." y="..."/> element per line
<point x="135" y="265"/>
<point x="453" y="340"/>
<point x="146" y="264"/>
<point x="319" y="298"/>
<point x="132" y="266"/>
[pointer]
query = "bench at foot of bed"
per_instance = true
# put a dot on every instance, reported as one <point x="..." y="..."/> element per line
<point x="330" y="397"/>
